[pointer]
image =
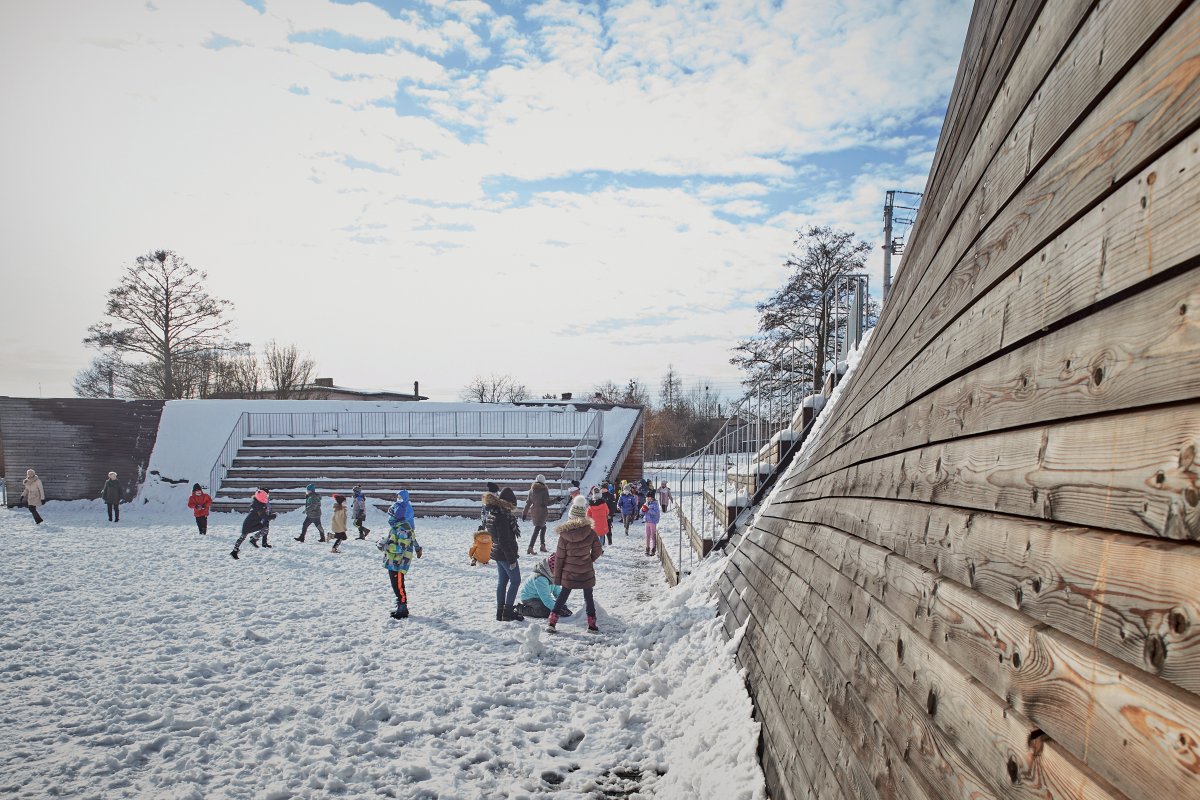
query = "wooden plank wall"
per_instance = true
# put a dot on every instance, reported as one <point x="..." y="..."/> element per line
<point x="74" y="443"/>
<point x="983" y="577"/>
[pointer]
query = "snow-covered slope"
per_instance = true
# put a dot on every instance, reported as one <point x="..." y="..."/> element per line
<point x="139" y="660"/>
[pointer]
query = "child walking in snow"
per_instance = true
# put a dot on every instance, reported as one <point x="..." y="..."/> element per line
<point x="597" y="509"/>
<point x="629" y="507"/>
<point x="664" y="496"/>
<point x="112" y="497"/>
<point x="652" y="514"/>
<point x="337" y="526"/>
<point x="360" y="513"/>
<point x="312" y="512"/>
<point x="257" y="522"/>
<point x="398" y="549"/>
<point x="200" y="504"/>
<point x="578" y="547"/>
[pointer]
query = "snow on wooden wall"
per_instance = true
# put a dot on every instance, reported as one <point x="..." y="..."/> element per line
<point x="983" y="578"/>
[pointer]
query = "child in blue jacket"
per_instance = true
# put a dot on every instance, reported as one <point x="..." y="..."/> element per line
<point x="628" y="503"/>
<point x="539" y="594"/>
<point x="398" y="549"/>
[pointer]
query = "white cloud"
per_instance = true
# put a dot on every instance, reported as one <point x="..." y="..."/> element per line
<point x="359" y="232"/>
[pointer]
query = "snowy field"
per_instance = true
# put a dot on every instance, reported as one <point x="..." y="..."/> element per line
<point x="139" y="660"/>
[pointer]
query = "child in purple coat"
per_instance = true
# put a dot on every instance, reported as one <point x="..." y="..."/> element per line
<point x="652" y="514"/>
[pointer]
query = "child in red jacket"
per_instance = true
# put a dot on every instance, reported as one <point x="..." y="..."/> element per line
<point x="598" y="512"/>
<point x="200" y="504"/>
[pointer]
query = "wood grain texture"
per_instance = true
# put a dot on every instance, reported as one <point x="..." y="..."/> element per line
<point x="982" y="576"/>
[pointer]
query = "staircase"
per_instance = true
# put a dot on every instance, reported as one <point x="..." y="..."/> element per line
<point x="444" y="477"/>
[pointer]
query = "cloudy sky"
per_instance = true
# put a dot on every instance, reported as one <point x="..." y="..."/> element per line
<point x="568" y="192"/>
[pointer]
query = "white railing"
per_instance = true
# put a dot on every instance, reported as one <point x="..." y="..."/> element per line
<point x="234" y="443"/>
<point x="588" y="426"/>
<point x="401" y="424"/>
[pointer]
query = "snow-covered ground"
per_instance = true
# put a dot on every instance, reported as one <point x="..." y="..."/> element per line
<point x="139" y="660"/>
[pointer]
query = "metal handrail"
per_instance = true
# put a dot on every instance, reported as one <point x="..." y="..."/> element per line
<point x="233" y="444"/>
<point x="577" y="464"/>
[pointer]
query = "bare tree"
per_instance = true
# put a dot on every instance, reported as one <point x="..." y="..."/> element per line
<point x="99" y="379"/>
<point x="161" y="319"/>
<point x="288" y="373"/>
<point x="608" y="392"/>
<point x="494" y="389"/>
<point x="795" y="336"/>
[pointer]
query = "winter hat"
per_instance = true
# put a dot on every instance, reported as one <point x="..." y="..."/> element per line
<point x="578" y="509"/>
<point x="337" y="498"/>
<point x="29" y="473"/>
<point x="541" y="479"/>
<point x="261" y="495"/>
<point x="662" y="485"/>
<point x="493" y="488"/>
<point x="575" y="484"/>
<point x="358" y="490"/>
<point x="112" y="476"/>
<point x="197" y="487"/>
<point x="312" y="487"/>
<point x="508" y="496"/>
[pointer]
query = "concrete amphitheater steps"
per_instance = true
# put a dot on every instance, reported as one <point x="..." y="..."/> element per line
<point x="444" y="477"/>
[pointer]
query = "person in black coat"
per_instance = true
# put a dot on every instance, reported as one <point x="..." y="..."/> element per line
<point x="257" y="522"/>
<point x="112" y="497"/>
<point x="502" y="525"/>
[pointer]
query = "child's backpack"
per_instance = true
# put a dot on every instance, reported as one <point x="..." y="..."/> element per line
<point x="481" y="548"/>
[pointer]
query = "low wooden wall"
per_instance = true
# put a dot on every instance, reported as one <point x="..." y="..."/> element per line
<point x="982" y="579"/>
<point x="74" y="443"/>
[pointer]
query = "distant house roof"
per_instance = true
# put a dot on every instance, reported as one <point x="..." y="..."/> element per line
<point x="325" y="389"/>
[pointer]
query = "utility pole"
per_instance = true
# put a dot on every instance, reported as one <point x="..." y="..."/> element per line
<point x="894" y="245"/>
<point x="889" y="200"/>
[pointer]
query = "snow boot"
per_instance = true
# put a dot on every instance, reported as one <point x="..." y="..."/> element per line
<point x="499" y="613"/>
<point x="299" y="539"/>
<point x="544" y="550"/>
<point x="401" y="611"/>
<point x="592" y="625"/>
<point x="511" y="615"/>
<point x="234" y="555"/>
<point x="552" y="622"/>
<point x="610" y="538"/>
<point x="530" y="550"/>
<point x="322" y="539"/>
<point x="267" y="544"/>
<point x="254" y="541"/>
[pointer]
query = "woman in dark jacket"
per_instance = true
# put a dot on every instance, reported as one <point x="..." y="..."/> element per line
<point x="112" y="497"/>
<point x="537" y="508"/>
<point x="502" y="525"/>
<point x="578" y="548"/>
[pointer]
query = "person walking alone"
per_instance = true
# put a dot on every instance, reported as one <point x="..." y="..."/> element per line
<point x="33" y="494"/>
<point x="112" y="497"/>
<point x="257" y="522"/>
<point x="537" y="508"/>
<point x="359" y="507"/>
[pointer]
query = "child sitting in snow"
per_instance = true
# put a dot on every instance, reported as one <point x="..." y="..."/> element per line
<point x="481" y="548"/>
<point x="539" y="594"/>
<point x="337" y="526"/>
<point x="398" y="549"/>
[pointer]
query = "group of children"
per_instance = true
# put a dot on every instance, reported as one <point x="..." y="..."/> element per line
<point x="581" y="539"/>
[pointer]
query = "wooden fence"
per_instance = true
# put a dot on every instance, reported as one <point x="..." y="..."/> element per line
<point x="982" y="579"/>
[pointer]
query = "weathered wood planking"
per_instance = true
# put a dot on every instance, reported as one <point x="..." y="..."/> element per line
<point x="1148" y="108"/>
<point x="982" y="578"/>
